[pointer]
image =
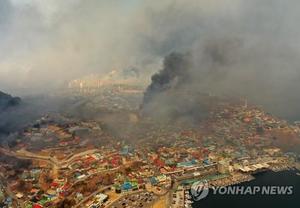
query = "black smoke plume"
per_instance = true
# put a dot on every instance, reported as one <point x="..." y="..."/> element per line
<point x="173" y="74"/>
<point x="170" y="96"/>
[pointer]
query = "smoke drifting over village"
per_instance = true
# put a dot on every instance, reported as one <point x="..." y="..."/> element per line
<point x="142" y="103"/>
<point x="245" y="48"/>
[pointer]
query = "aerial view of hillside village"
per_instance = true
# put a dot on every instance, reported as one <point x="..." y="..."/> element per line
<point x="83" y="163"/>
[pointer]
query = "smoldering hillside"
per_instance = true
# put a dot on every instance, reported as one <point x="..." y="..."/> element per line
<point x="16" y="117"/>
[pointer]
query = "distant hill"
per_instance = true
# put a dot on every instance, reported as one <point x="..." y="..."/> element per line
<point x="8" y="101"/>
<point x="8" y="104"/>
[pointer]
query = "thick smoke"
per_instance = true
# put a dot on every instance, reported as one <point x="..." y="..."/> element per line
<point x="241" y="47"/>
<point x="174" y="74"/>
<point x="16" y="114"/>
<point x="168" y="96"/>
<point x="248" y="53"/>
<point x="175" y="92"/>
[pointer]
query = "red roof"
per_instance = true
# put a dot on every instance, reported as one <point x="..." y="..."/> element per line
<point x="90" y="159"/>
<point x="140" y="181"/>
<point x="65" y="187"/>
<point x="115" y="161"/>
<point x="159" y="163"/>
<point x="54" y="184"/>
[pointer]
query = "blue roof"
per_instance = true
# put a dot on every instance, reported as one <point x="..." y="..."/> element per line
<point x="188" y="163"/>
<point x="206" y="161"/>
<point x="126" y="186"/>
<point x="153" y="181"/>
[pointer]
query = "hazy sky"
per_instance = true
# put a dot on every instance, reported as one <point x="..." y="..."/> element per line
<point x="49" y="42"/>
<point x="44" y="43"/>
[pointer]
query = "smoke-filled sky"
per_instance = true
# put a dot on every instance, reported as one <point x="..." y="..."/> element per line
<point x="246" y="47"/>
<point x="49" y="42"/>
